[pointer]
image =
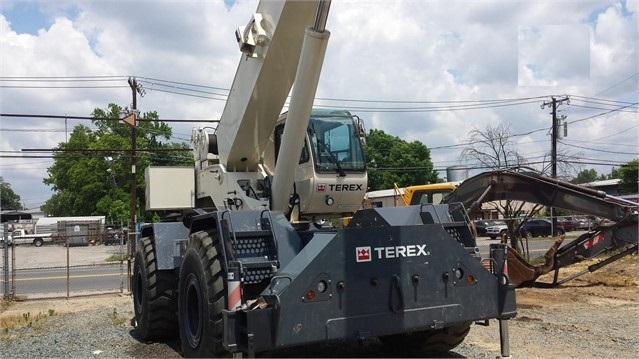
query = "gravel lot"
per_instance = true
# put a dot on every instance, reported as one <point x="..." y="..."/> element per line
<point x="594" y="316"/>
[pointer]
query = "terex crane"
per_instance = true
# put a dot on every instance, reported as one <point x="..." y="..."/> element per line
<point x="246" y="271"/>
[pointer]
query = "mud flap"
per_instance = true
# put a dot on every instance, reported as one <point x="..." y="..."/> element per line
<point x="246" y="330"/>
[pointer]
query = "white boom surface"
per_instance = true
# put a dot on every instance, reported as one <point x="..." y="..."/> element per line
<point x="262" y="82"/>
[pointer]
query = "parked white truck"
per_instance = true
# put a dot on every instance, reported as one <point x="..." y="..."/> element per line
<point x="75" y="230"/>
<point x="20" y="236"/>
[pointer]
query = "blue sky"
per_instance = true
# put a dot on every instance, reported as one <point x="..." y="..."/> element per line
<point x="25" y="17"/>
<point x="28" y="17"/>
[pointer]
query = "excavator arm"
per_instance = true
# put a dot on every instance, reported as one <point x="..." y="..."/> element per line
<point x="531" y="187"/>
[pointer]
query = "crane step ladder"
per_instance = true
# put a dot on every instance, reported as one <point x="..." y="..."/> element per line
<point x="251" y="253"/>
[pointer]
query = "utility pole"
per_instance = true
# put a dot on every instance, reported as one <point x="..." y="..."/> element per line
<point x="553" y="150"/>
<point x="135" y="89"/>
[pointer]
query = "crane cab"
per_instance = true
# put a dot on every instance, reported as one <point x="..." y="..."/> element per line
<point x="330" y="180"/>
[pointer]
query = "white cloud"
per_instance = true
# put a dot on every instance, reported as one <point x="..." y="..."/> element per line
<point x="413" y="51"/>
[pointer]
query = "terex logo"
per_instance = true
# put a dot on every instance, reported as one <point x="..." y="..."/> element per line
<point x="345" y="187"/>
<point x="365" y="254"/>
<point x="321" y="187"/>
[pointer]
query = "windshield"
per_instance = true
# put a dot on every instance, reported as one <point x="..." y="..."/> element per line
<point x="335" y="143"/>
<point x="430" y="196"/>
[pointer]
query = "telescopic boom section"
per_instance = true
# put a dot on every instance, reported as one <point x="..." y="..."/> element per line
<point x="306" y="79"/>
<point x="271" y="44"/>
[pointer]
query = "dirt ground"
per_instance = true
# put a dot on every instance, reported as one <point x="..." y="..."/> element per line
<point x="594" y="315"/>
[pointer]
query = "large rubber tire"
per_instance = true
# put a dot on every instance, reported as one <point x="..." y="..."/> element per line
<point x="428" y="341"/>
<point x="154" y="299"/>
<point x="202" y="297"/>
<point x="38" y="242"/>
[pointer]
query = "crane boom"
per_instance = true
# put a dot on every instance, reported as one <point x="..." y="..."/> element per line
<point x="263" y="80"/>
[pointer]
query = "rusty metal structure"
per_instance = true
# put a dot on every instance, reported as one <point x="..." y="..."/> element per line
<point x="609" y="242"/>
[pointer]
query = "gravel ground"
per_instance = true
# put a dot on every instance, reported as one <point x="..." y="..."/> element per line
<point x="585" y="318"/>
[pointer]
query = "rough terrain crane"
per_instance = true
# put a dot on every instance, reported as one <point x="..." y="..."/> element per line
<point x="245" y="271"/>
<point x="609" y="242"/>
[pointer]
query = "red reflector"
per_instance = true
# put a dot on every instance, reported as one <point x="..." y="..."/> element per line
<point x="310" y="295"/>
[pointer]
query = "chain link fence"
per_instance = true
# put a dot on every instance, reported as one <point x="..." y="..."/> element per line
<point x="66" y="266"/>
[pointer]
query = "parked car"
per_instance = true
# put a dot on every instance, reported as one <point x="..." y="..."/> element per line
<point x="482" y="224"/>
<point x="569" y="223"/>
<point x="540" y="228"/>
<point x="587" y="223"/>
<point x="497" y="230"/>
<point x="113" y="236"/>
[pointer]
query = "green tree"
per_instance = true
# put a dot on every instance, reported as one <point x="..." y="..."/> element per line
<point x="9" y="200"/>
<point x="91" y="174"/>
<point x="586" y="176"/>
<point x="628" y="174"/>
<point x="392" y="160"/>
<point x="614" y="173"/>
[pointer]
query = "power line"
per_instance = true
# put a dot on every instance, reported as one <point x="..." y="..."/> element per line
<point x="617" y="84"/>
<point x="65" y="117"/>
<point x="64" y="78"/>
<point x="201" y="92"/>
<point x="604" y="113"/>
<point x="600" y="150"/>
<point x="104" y="149"/>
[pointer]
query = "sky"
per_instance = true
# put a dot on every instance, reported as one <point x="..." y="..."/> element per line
<point x="431" y="71"/>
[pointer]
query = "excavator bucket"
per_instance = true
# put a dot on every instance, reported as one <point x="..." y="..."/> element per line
<point x="523" y="274"/>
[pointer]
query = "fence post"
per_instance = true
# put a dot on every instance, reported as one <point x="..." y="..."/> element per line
<point x="68" y="268"/>
<point x="5" y="261"/>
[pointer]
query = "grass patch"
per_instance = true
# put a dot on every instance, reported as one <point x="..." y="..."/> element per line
<point x="117" y="319"/>
<point x="621" y="273"/>
<point x="4" y="304"/>
<point x="10" y="322"/>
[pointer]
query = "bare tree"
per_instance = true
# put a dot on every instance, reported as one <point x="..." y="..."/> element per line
<point x="567" y="167"/>
<point x="492" y="148"/>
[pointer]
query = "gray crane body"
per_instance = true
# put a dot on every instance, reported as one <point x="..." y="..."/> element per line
<point x="393" y="271"/>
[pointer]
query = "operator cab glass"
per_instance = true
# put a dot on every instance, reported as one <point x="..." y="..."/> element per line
<point x="434" y="197"/>
<point x="335" y="143"/>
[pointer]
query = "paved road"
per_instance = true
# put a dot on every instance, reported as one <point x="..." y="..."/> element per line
<point x="47" y="256"/>
<point x="56" y="281"/>
<point x="537" y="246"/>
<point x="42" y="271"/>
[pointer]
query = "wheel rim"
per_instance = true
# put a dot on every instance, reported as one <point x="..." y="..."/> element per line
<point x="139" y="290"/>
<point x="193" y="310"/>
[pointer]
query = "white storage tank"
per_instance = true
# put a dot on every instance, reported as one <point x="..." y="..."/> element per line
<point x="456" y="173"/>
